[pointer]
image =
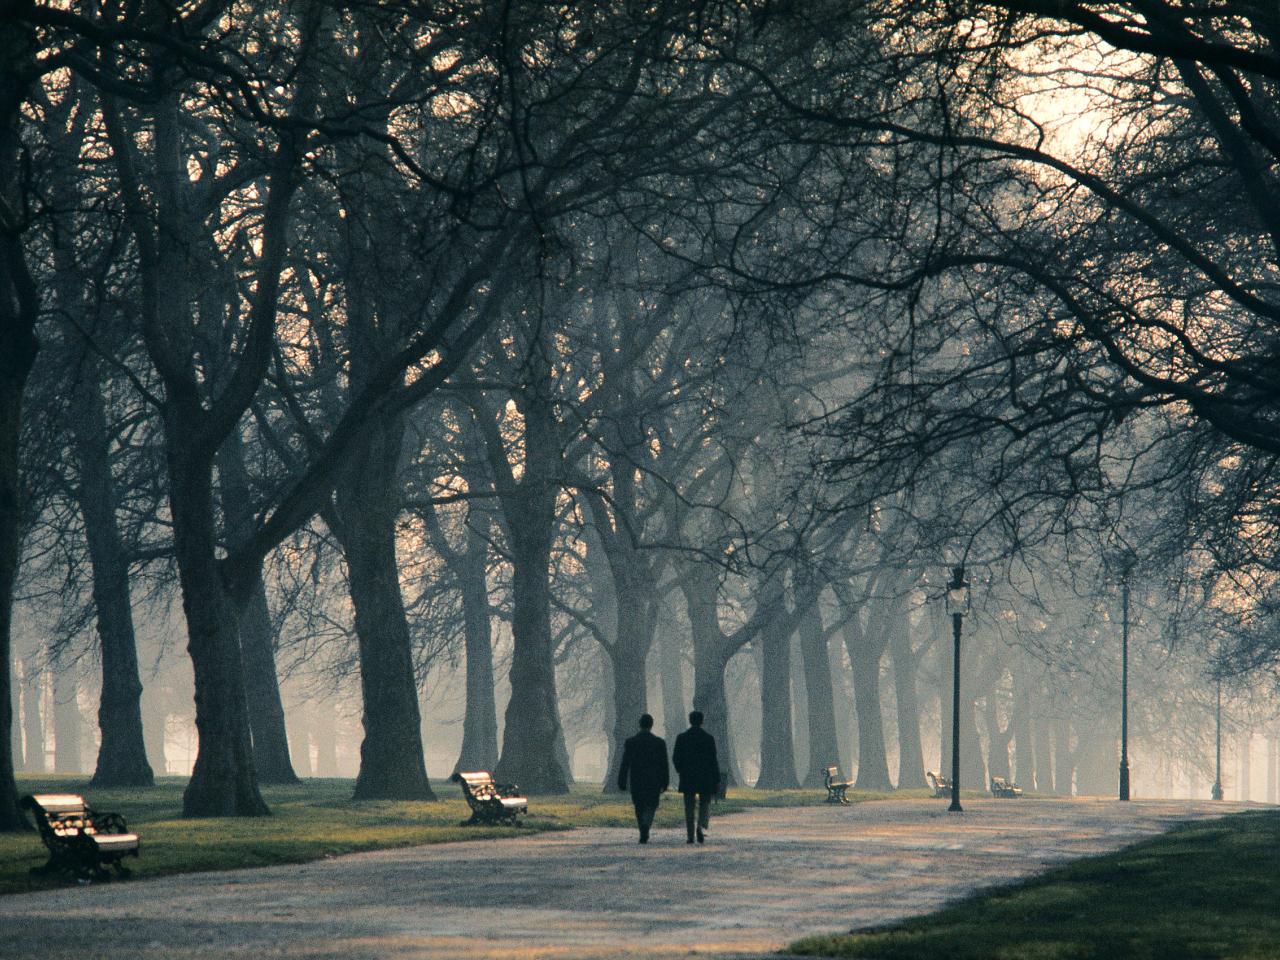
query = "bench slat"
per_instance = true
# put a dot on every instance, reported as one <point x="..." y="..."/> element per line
<point x="60" y="804"/>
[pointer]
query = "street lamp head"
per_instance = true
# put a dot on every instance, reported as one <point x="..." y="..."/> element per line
<point x="958" y="593"/>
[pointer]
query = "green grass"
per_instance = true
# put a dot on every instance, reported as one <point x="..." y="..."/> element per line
<point x="319" y="819"/>
<point x="1203" y="890"/>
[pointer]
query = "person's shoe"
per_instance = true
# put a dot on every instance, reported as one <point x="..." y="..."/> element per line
<point x="690" y="840"/>
<point x="644" y="836"/>
<point x="702" y="838"/>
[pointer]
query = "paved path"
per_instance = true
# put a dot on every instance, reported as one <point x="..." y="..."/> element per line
<point x="764" y="878"/>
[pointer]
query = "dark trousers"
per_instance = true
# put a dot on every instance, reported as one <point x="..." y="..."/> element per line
<point x="646" y="808"/>
<point x="703" y="801"/>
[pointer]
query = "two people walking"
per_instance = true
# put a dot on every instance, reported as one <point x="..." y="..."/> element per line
<point x="644" y="771"/>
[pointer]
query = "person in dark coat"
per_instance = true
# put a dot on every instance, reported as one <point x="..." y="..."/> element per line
<point x="644" y="768"/>
<point x="695" y="760"/>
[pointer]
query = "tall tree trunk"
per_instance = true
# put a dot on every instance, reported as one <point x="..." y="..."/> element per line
<point x="15" y="711"/>
<point x="1024" y="770"/>
<point x="158" y="202"/>
<point x="302" y="716"/>
<point x="1064" y="763"/>
<point x="819" y="702"/>
<point x="942" y="656"/>
<point x="709" y="663"/>
<point x="866" y="648"/>
<point x="122" y="753"/>
<point x="1097" y="761"/>
<point x="910" y="750"/>
<point x="1246" y="765"/>
<point x="604" y="614"/>
<point x="846" y="719"/>
<point x="777" y="746"/>
<point x="1272" y="756"/>
<point x="532" y="736"/>
<point x="997" y="739"/>
<point x="33" y="682"/>
<point x="262" y="690"/>
<point x="1044" y="755"/>
<point x="532" y="722"/>
<point x="1270" y="795"/>
<point x="799" y="706"/>
<point x="530" y="751"/>
<point x="973" y="767"/>
<point x="633" y="637"/>
<point x="711" y="656"/>
<point x="480" y="724"/>
<point x="66" y="724"/>
<point x="257" y="637"/>
<point x="154" y="704"/>
<point x="19" y="309"/>
<point x="325" y="732"/>
<point x="671" y="677"/>
<point x="224" y="780"/>
<point x="392" y="764"/>
<point x="630" y="697"/>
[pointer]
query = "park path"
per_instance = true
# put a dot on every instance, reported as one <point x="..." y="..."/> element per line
<point x="764" y="878"/>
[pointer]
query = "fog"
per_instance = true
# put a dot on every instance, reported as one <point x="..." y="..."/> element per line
<point x="386" y="392"/>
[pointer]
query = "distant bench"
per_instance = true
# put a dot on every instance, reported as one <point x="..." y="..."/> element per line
<point x="491" y="803"/>
<point x="81" y="842"/>
<point x="835" y="787"/>
<point x="940" y="784"/>
<point x="1000" y="787"/>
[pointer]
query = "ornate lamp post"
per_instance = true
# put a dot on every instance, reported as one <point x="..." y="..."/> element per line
<point x="1216" y="793"/>
<point x="1124" y="692"/>
<point x="957" y="607"/>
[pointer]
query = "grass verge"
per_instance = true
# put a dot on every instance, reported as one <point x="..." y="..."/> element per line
<point x="1204" y="890"/>
<point x="319" y="819"/>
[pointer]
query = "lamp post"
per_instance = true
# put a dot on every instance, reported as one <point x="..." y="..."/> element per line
<point x="1216" y="792"/>
<point x="957" y="607"/>
<point x="1124" y="691"/>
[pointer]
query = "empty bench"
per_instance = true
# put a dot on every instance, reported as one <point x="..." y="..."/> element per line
<point x="940" y="784"/>
<point x="836" y="787"/>
<point x="81" y="841"/>
<point x="1000" y="787"/>
<point x="491" y="803"/>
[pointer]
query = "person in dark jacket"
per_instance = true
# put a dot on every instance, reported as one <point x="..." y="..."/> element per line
<point x="694" y="758"/>
<point x="644" y="768"/>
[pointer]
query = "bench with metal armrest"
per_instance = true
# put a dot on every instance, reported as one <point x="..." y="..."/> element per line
<point x="1000" y="787"/>
<point x="940" y="784"/>
<point x="81" y="841"/>
<point x="835" y="787"/>
<point x="490" y="802"/>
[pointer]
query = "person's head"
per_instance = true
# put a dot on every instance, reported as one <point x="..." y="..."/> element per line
<point x="646" y="722"/>
<point x="695" y="718"/>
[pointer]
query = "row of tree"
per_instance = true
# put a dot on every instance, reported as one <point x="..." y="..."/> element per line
<point x="354" y="324"/>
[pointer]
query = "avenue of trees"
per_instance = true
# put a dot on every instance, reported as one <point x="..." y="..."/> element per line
<point x="563" y="361"/>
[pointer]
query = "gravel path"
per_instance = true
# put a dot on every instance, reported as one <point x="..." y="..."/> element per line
<point x="763" y="879"/>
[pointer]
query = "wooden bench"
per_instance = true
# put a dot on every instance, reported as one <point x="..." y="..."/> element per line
<point x="835" y="788"/>
<point x="940" y="784"/>
<point x="491" y="803"/>
<point x="1000" y="787"/>
<point x="81" y="842"/>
